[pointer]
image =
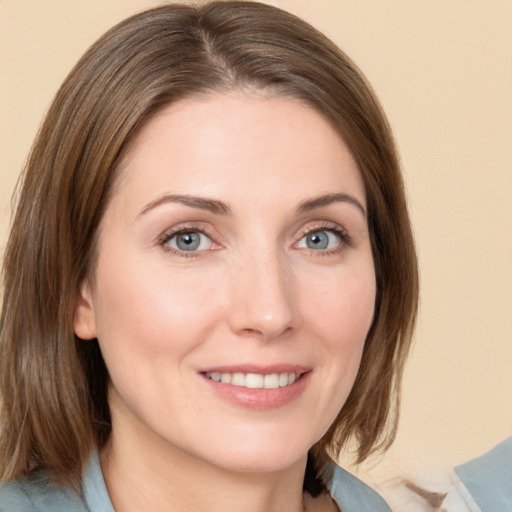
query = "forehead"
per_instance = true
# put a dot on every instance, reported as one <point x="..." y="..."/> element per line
<point x="260" y="143"/>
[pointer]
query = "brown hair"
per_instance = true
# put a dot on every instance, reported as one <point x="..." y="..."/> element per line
<point x="53" y="387"/>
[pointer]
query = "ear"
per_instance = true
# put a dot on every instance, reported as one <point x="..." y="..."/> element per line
<point x="84" y="322"/>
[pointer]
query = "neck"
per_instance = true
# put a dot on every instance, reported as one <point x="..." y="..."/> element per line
<point x="177" y="483"/>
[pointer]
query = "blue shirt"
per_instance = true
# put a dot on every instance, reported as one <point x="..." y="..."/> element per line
<point x="488" y="479"/>
<point x="35" y="493"/>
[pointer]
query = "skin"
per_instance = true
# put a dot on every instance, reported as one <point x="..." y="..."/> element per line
<point x="256" y="291"/>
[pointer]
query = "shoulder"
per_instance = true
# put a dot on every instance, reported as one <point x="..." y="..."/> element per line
<point x="36" y="493"/>
<point x="351" y="494"/>
<point x="488" y="478"/>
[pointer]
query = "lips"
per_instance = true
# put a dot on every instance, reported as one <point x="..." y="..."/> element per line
<point x="258" y="387"/>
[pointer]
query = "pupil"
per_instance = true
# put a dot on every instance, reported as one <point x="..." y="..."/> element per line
<point x="318" y="240"/>
<point x="188" y="241"/>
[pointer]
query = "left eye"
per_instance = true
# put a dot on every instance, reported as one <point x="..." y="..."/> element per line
<point x="189" y="241"/>
<point x="319" y="240"/>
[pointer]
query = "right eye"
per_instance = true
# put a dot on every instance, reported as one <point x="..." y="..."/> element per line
<point x="188" y="241"/>
<point x="320" y="240"/>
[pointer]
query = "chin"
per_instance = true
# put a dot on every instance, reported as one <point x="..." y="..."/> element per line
<point x="260" y="455"/>
<point x="258" y="463"/>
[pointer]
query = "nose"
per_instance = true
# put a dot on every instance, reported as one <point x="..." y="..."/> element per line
<point x="263" y="299"/>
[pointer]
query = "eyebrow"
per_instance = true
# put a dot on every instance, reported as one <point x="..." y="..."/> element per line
<point x="328" y="199"/>
<point x="221" y="208"/>
<point x="201" y="203"/>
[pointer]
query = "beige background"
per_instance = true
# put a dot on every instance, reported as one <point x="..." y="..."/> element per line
<point x="443" y="70"/>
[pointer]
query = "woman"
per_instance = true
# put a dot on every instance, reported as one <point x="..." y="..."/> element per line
<point x="210" y="284"/>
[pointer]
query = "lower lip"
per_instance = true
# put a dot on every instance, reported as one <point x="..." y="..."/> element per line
<point x="260" y="398"/>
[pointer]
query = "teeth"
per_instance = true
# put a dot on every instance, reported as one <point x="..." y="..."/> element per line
<point x="215" y="376"/>
<point x="254" y="380"/>
<point x="271" y="381"/>
<point x="225" y="378"/>
<point x="238" y="379"/>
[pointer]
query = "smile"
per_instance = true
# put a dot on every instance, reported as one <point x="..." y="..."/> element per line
<point x="254" y="380"/>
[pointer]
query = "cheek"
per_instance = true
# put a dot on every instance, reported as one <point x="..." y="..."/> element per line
<point x="342" y="308"/>
<point x="149" y="309"/>
<point x="341" y="312"/>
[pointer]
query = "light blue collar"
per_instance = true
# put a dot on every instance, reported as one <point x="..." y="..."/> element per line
<point x="350" y="493"/>
<point x="489" y="478"/>
<point x="95" y="495"/>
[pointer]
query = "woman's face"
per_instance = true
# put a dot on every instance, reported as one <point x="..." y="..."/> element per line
<point x="234" y="285"/>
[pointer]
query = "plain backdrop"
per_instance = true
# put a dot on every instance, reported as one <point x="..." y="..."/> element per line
<point x="443" y="71"/>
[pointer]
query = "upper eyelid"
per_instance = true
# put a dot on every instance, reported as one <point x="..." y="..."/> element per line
<point x="192" y="225"/>
<point x="323" y="225"/>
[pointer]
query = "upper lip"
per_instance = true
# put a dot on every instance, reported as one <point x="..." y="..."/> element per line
<point x="259" y="369"/>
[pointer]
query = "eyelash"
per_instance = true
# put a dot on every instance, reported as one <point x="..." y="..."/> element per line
<point x="169" y="235"/>
<point x="344" y="237"/>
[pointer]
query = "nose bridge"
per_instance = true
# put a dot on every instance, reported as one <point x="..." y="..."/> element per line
<point x="263" y="302"/>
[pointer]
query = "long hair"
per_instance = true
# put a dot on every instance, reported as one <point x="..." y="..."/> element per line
<point x="53" y="387"/>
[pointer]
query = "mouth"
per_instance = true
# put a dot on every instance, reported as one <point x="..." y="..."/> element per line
<point x="258" y="387"/>
<point x="254" y="380"/>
